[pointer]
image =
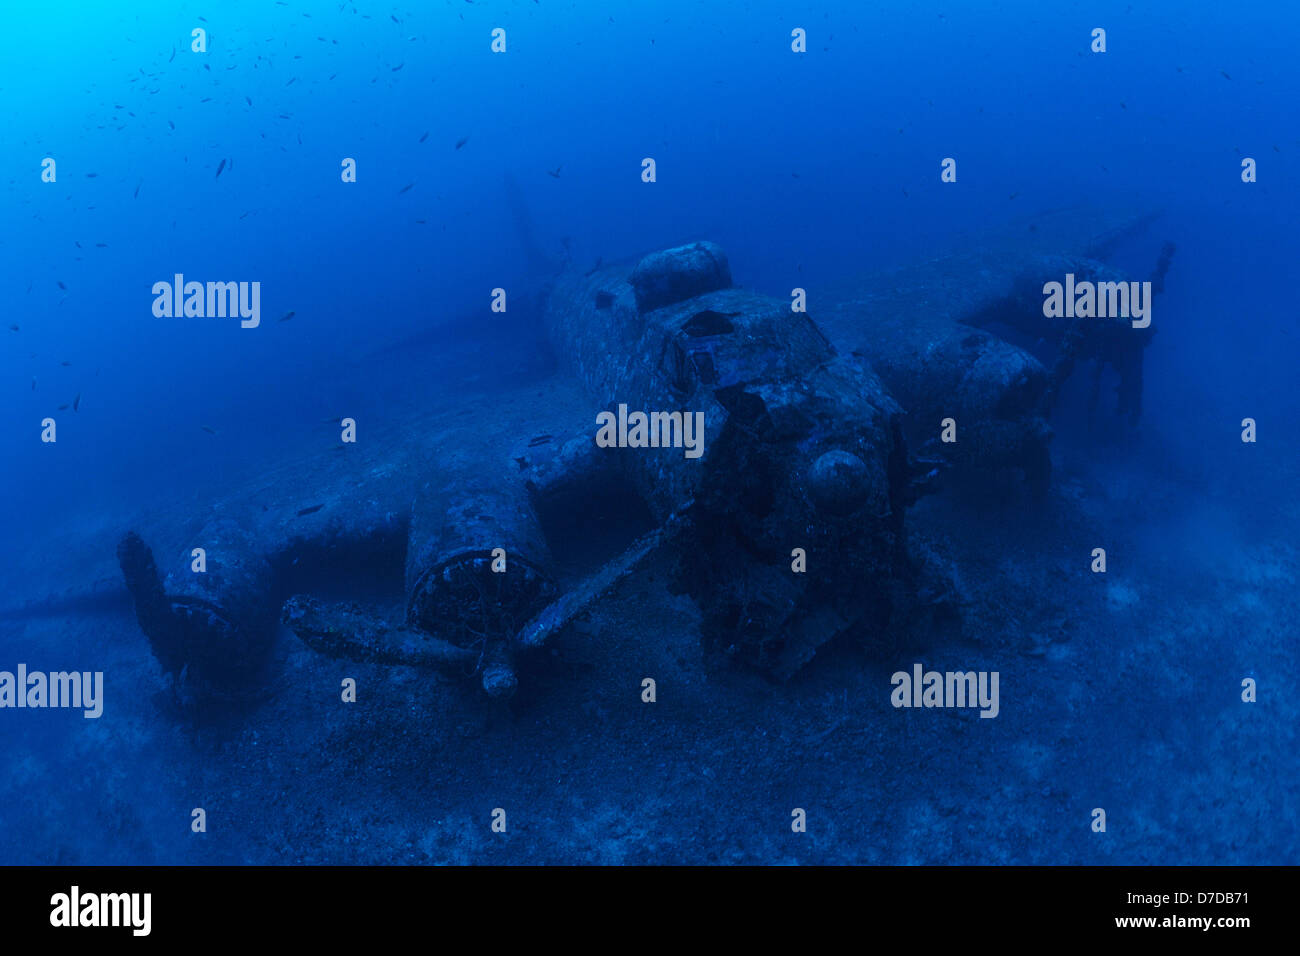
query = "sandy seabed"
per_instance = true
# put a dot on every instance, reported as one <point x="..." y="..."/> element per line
<point x="1120" y="691"/>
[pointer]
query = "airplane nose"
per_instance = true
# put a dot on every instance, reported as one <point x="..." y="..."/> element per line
<point x="838" y="482"/>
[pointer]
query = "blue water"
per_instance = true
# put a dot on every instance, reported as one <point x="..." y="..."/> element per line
<point x="806" y="168"/>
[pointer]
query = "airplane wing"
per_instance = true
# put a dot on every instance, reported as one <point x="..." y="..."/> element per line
<point x="924" y="328"/>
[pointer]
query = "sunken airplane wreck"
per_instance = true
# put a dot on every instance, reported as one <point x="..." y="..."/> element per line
<point x="808" y="460"/>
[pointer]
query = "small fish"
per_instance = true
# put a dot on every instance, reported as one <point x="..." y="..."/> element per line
<point x="291" y="79"/>
<point x="462" y="142"/>
<point x="101" y="245"/>
<point x="309" y="511"/>
<point x="136" y="194"/>
<point x="13" y="328"/>
<point x="33" y="383"/>
<point x="63" y="408"/>
<point x="554" y="172"/>
<point x="1013" y="195"/>
<point x="425" y="136"/>
<point x="171" y="125"/>
<point x="398" y="67"/>
<point x="76" y="402"/>
<point x="61" y="285"/>
<point x="248" y="100"/>
<point x="65" y="364"/>
<point x="210" y="431"/>
<point x="287" y="316"/>
<point x="220" y="168"/>
<point x="173" y="56"/>
<point x="91" y="175"/>
<point x="330" y="421"/>
<point x="405" y="188"/>
<point x="540" y="440"/>
<point x="1224" y="75"/>
<point x="393" y="17"/>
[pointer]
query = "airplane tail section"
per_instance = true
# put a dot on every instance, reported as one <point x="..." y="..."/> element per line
<point x="538" y="258"/>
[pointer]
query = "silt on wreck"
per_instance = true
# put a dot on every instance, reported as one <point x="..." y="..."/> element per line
<point x="818" y="439"/>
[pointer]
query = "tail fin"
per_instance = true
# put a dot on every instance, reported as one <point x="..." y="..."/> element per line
<point x="537" y="256"/>
<point x="1162" y="267"/>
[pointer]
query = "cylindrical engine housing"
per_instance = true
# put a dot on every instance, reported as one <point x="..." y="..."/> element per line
<point x="452" y="590"/>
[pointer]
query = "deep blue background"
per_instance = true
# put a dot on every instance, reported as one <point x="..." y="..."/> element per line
<point x="816" y="165"/>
